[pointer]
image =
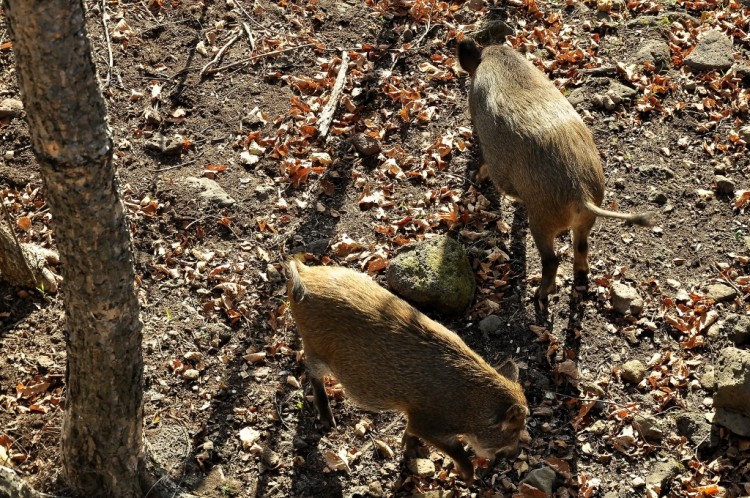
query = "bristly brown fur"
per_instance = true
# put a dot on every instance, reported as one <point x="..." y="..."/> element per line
<point x="538" y="149"/>
<point x="389" y="356"/>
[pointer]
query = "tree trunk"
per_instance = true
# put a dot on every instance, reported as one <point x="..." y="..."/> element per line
<point x="102" y="432"/>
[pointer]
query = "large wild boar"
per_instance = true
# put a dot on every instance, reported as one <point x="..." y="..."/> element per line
<point x="538" y="150"/>
<point x="390" y="357"/>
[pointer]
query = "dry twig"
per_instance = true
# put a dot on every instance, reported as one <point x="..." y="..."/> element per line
<point x="326" y="117"/>
<point x="220" y="53"/>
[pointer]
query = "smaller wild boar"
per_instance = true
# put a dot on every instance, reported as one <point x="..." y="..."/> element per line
<point x="390" y="357"/>
<point x="537" y="149"/>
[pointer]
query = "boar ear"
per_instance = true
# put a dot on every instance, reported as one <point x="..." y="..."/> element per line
<point x="509" y="370"/>
<point x="516" y="415"/>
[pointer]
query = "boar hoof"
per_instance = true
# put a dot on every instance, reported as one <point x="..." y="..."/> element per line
<point x="467" y="476"/>
<point x="581" y="281"/>
<point x="327" y="423"/>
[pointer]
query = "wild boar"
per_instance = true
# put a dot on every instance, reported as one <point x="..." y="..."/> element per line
<point x="538" y="150"/>
<point x="390" y="357"/>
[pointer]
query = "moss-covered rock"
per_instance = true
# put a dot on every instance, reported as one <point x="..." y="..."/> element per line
<point x="434" y="273"/>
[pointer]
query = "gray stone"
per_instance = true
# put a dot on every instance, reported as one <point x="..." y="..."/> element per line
<point x="263" y="192"/>
<point x="649" y="427"/>
<point x="662" y="172"/>
<point x="210" y="191"/>
<point x="713" y="52"/>
<point x="739" y="329"/>
<point x="434" y="273"/>
<point x="732" y="373"/>
<point x="10" y="108"/>
<point x="422" y="467"/>
<point x="435" y="493"/>
<point x="164" y="145"/>
<point x="493" y="33"/>
<point x="708" y="380"/>
<point x="634" y="371"/>
<point x="696" y="428"/>
<point x="542" y="478"/>
<point x="168" y="445"/>
<point x="375" y="489"/>
<point x="578" y="96"/>
<point x="490" y="324"/>
<point x="656" y="52"/>
<point x="724" y="185"/>
<point x="663" y="473"/>
<point x="619" y="92"/>
<point x="742" y="70"/>
<point x="625" y="299"/>
<point x="365" y="145"/>
<point x="659" y="198"/>
<point x="721" y="292"/>
<point x="734" y="421"/>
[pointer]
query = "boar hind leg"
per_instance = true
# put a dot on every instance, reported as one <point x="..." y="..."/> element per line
<point x="320" y="399"/>
<point x="447" y="443"/>
<point x="317" y="370"/>
<point x="581" y="252"/>
<point x="544" y="237"/>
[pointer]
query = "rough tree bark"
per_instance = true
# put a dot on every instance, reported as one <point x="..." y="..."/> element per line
<point x="102" y="433"/>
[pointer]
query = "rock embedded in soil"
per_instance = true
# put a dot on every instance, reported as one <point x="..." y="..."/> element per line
<point x="713" y="52"/>
<point x="375" y="489"/>
<point x="745" y="133"/>
<point x="365" y="145"/>
<point x="435" y="493"/>
<point x="494" y="32"/>
<point x="724" y="185"/>
<point x="662" y="473"/>
<point x="661" y="172"/>
<point x="422" y="467"/>
<point x="490" y="324"/>
<point x="649" y="427"/>
<point x="732" y="399"/>
<point x="169" y="146"/>
<point x="721" y="292"/>
<point x="542" y="478"/>
<point x="739" y="326"/>
<point x="10" y="108"/>
<point x="633" y="371"/>
<point x="655" y="52"/>
<point x="434" y="273"/>
<point x="626" y="299"/>
<point x="708" y="380"/>
<point x="210" y="190"/>
<point x="696" y="428"/>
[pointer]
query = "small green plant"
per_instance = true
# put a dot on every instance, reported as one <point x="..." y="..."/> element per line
<point x="229" y="490"/>
<point x="169" y="314"/>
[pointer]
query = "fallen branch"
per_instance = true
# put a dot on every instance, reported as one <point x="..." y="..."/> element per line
<point x="249" y="35"/>
<point x="12" y="486"/>
<point x="110" y="62"/>
<point x="220" y="53"/>
<point x="255" y="58"/>
<point x="326" y="117"/>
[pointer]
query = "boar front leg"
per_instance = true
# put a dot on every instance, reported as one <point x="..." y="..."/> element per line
<point x="425" y="428"/>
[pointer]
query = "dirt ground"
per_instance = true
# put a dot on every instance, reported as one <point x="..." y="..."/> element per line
<point x="225" y="406"/>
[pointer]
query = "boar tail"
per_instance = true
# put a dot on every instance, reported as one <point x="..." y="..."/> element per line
<point x="641" y="219"/>
<point x="295" y="288"/>
<point x="469" y="56"/>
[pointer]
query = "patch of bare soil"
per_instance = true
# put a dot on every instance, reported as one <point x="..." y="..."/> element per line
<point x="232" y="91"/>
